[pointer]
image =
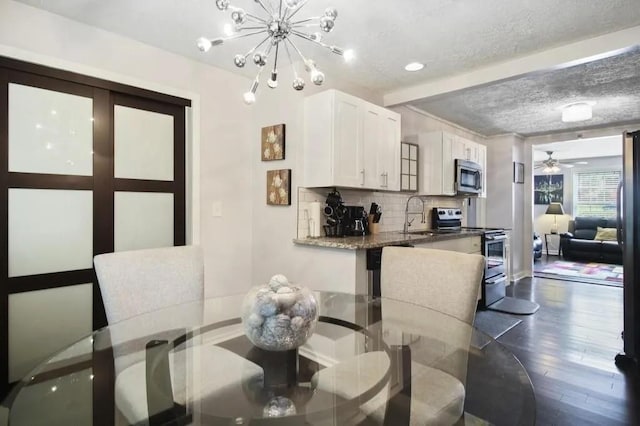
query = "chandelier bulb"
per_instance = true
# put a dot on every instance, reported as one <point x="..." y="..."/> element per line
<point x="204" y="44"/>
<point x="239" y="60"/>
<point x="349" y="55"/>
<point x="317" y="77"/>
<point x="331" y="12"/>
<point x="239" y="16"/>
<point x="260" y="59"/>
<point x="292" y="4"/>
<point x="327" y="23"/>
<point x="249" y="98"/>
<point x="273" y="81"/>
<point x="316" y="36"/>
<point x="222" y="4"/>
<point x="298" y="83"/>
<point x="309" y="65"/>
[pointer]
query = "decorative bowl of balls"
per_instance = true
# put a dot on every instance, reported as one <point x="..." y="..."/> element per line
<point x="279" y="316"/>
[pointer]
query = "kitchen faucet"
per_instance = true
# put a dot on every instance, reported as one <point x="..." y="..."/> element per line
<point x="407" y="222"/>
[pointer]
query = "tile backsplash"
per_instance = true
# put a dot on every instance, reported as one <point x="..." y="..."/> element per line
<point x="391" y="203"/>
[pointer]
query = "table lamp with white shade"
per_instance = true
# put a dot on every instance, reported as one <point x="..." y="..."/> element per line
<point x="556" y="210"/>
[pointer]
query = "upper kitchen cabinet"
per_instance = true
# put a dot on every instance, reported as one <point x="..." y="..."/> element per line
<point x="438" y="152"/>
<point x="350" y="143"/>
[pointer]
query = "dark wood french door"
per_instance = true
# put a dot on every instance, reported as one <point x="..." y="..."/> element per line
<point x="87" y="166"/>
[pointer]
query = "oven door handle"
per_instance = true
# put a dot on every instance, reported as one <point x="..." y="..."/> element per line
<point x="496" y="237"/>
<point x="497" y="280"/>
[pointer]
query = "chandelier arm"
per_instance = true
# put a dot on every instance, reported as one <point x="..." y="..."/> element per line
<point x="261" y="3"/>
<point x="249" y="28"/>
<point x="295" y="73"/>
<point x="305" y="20"/>
<point x="257" y="46"/>
<point x="233" y="37"/>
<point x="297" y="50"/>
<point x="256" y="19"/>
<point x="275" y="60"/>
<point x="300" y="6"/>
<point x="280" y="12"/>
<point x="334" y="49"/>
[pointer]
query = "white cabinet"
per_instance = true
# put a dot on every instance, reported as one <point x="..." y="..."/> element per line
<point x="438" y="152"/>
<point x="462" y="245"/>
<point x="350" y="143"/>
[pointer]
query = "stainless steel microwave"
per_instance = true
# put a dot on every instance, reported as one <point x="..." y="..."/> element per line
<point x="468" y="179"/>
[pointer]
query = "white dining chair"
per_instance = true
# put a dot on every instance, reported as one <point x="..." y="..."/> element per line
<point x="446" y="282"/>
<point x="133" y="283"/>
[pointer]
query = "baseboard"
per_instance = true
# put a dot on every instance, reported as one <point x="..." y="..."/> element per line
<point x="520" y="275"/>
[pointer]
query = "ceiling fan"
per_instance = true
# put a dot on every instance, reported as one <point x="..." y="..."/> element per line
<point x="552" y="165"/>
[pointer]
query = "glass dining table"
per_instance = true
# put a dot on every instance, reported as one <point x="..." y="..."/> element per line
<point x="369" y="361"/>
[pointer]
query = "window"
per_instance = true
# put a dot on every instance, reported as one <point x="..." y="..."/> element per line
<point x="595" y="193"/>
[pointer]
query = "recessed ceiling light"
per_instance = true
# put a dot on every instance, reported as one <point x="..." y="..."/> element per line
<point x="582" y="162"/>
<point x="414" y="66"/>
<point x="578" y="111"/>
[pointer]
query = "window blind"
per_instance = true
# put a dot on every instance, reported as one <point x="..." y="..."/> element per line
<point x="595" y="193"/>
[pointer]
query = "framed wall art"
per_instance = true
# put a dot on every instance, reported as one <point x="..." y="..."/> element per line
<point x="279" y="187"/>
<point x="272" y="143"/>
<point x="548" y="189"/>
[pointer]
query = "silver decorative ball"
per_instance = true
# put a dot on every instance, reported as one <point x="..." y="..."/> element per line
<point x="298" y="84"/>
<point x="260" y="59"/>
<point x="331" y="12"/>
<point x="222" y="4"/>
<point x="239" y="16"/>
<point x="327" y="23"/>
<point x="279" y="406"/>
<point x="317" y="77"/>
<point x="240" y="60"/>
<point x="279" y="316"/>
<point x="272" y="83"/>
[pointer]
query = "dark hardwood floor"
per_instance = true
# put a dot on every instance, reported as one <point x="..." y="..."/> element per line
<point x="568" y="349"/>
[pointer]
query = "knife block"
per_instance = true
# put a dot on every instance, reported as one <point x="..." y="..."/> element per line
<point x="374" y="228"/>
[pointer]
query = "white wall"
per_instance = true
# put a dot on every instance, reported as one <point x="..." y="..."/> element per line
<point x="275" y="227"/>
<point x="224" y="136"/>
<point x="505" y="199"/>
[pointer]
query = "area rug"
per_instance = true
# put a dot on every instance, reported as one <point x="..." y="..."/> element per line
<point x="592" y="273"/>
<point x="492" y="323"/>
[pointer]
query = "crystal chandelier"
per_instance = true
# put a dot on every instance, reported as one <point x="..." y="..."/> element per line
<point x="278" y="26"/>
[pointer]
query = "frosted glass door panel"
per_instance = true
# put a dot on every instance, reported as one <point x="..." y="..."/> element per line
<point x="78" y="394"/>
<point x="50" y="230"/>
<point x="143" y="144"/>
<point x="142" y="220"/>
<point x="44" y="322"/>
<point x="49" y="132"/>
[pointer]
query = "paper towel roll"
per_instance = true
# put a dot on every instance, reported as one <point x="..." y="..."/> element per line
<point x="315" y="215"/>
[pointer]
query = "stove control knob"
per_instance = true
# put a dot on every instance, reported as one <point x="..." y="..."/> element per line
<point x="441" y="212"/>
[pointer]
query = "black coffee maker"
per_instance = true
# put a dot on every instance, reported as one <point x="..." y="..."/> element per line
<point x="355" y="221"/>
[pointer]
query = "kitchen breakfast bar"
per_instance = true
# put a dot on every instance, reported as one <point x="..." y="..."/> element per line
<point x="357" y="254"/>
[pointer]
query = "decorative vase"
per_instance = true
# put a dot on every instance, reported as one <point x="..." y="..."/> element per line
<point x="279" y="316"/>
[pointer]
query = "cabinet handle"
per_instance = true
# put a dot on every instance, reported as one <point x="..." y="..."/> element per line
<point x="386" y="179"/>
<point x="362" y="174"/>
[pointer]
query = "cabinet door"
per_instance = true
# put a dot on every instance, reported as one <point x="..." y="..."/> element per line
<point x="391" y="148"/>
<point x="450" y="148"/>
<point x="348" y="153"/>
<point x="482" y="160"/>
<point x="373" y="148"/>
<point x="458" y="147"/>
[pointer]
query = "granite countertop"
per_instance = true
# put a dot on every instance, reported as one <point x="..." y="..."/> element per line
<point x="385" y="239"/>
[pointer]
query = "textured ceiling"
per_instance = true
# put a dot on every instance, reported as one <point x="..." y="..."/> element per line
<point x="531" y="104"/>
<point x="449" y="36"/>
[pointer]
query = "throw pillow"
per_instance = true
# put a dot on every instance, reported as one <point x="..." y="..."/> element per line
<point x="606" y="234"/>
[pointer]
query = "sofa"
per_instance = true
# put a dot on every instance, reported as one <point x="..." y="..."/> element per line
<point x="580" y="243"/>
